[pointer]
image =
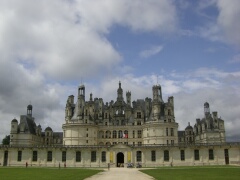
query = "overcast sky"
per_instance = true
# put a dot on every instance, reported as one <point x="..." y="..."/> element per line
<point x="191" y="48"/>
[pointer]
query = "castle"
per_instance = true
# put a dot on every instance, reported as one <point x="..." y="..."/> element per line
<point x="120" y="132"/>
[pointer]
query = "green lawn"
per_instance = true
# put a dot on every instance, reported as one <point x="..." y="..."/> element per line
<point x="195" y="173"/>
<point x="45" y="173"/>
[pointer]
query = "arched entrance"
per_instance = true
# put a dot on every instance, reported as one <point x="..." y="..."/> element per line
<point x="120" y="159"/>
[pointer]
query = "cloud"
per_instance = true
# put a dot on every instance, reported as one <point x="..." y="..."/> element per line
<point x="67" y="39"/>
<point x="150" y="52"/>
<point x="223" y="27"/>
<point x="235" y="59"/>
<point x="190" y="90"/>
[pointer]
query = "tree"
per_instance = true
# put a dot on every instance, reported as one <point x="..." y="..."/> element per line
<point x="6" y="140"/>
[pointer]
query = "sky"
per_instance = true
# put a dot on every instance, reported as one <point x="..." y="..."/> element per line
<point x="191" y="48"/>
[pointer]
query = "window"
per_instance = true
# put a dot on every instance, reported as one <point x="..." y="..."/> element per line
<point x="138" y="114"/>
<point x="169" y="112"/>
<point x="64" y="156"/>
<point x="78" y="156"/>
<point x="172" y="132"/>
<point x="133" y="134"/>
<point x="166" y="155"/>
<point x="172" y="142"/>
<point x="103" y="156"/>
<point x="211" y="154"/>
<point x="196" y="154"/>
<point x="93" y="156"/>
<point x="105" y="123"/>
<point x="139" y="134"/>
<point x="34" y="156"/>
<point x="49" y="156"/>
<point x="182" y="155"/>
<point x="138" y="123"/>
<point x="139" y="156"/>
<point x="19" y="156"/>
<point x="139" y="143"/>
<point x="153" y="155"/>
<point x="166" y="131"/>
<point x="114" y="134"/>
<point x="120" y="134"/>
<point x="105" y="115"/>
<point x="125" y="134"/>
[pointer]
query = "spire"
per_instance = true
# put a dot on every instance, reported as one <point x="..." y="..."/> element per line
<point x="120" y="92"/>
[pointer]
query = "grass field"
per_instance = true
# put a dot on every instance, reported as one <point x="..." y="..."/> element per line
<point x="195" y="173"/>
<point x="45" y="173"/>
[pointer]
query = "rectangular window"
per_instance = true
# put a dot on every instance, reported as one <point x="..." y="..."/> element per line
<point x="153" y="155"/>
<point x="166" y="131"/>
<point x="93" y="156"/>
<point x="114" y="134"/>
<point x="182" y="155"/>
<point x="34" y="156"/>
<point x="78" y="156"/>
<point x="103" y="156"/>
<point x="138" y="114"/>
<point x="172" y="132"/>
<point x="166" y="155"/>
<point x="211" y="154"/>
<point x="19" y="156"/>
<point x="139" y="156"/>
<point x="139" y="143"/>
<point x="49" y="156"/>
<point x="64" y="154"/>
<point x="172" y="142"/>
<point x="139" y="134"/>
<point x="196" y="154"/>
<point x="133" y="134"/>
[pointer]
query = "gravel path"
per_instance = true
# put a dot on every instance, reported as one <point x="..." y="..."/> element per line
<point x="121" y="174"/>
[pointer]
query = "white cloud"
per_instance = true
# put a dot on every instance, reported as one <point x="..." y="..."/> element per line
<point x="190" y="91"/>
<point x="235" y="59"/>
<point x="224" y="27"/>
<point x="66" y="39"/>
<point x="151" y="52"/>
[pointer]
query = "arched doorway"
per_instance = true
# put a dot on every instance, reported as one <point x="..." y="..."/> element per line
<point x="120" y="159"/>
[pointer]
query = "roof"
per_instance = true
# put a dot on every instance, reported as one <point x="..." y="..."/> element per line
<point x="14" y="120"/>
<point x="48" y="129"/>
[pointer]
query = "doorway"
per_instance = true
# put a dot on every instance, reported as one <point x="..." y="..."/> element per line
<point x="120" y="159"/>
<point x="5" y="158"/>
<point x="226" y="156"/>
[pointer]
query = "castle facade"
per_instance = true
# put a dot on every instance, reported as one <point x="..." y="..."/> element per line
<point x="119" y="132"/>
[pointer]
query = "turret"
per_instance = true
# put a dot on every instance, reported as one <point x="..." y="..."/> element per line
<point x="157" y="93"/>
<point x="29" y="110"/>
<point x="81" y="101"/>
<point x="206" y="109"/>
<point x="14" y="126"/>
<point x="120" y="93"/>
<point x="128" y="97"/>
<point x="68" y="108"/>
